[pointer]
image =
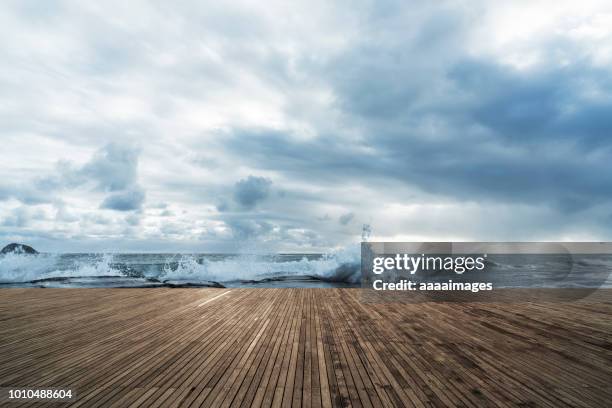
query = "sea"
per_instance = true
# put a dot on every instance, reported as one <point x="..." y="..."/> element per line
<point x="92" y="270"/>
<point x="341" y="268"/>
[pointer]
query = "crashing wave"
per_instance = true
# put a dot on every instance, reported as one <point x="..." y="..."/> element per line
<point x="341" y="266"/>
<point x="179" y="270"/>
<point x="19" y="268"/>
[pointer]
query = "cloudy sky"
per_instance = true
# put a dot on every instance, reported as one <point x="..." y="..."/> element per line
<point x="287" y="126"/>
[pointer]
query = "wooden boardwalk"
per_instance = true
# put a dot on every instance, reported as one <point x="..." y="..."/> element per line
<point x="302" y="347"/>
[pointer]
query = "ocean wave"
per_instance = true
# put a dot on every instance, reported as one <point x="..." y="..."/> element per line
<point x="20" y="268"/>
<point x="178" y="270"/>
<point x="341" y="266"/>
<point x="24" y="268"/>
<point x="604" y="262"/>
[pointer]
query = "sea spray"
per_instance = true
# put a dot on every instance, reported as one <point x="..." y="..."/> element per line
<point x="16" y="268"/>
<point x="338" y="266"/>
<point x="99" y="265"/>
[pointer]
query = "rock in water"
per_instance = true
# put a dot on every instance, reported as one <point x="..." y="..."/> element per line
<point x="18" y="249"/>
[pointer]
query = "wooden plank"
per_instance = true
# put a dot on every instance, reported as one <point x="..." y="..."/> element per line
<point x="303" y="347"/>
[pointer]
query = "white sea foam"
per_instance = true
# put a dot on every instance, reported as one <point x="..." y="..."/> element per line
<point x="339" y="266"/>
<point x="25" y="268"/>
<point x="101" y="265"/>
<point x="15" y="268"/>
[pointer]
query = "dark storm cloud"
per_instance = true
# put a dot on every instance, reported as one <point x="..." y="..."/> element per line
<point x="326" y="158"/>
<point x="346" y="218"/>
<point x="222" y="206"/>
<point x="497" y="133"/>
<point x="124" y="201"/>
<point x="243" y="229"/>
<point x="114" y="167"/>
<point x="449" y="109"/>
<point x="546" y="105"/>
<point x="248" y="192"/>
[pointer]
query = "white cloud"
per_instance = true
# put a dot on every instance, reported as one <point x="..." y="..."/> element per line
<point x="341" y="110"/>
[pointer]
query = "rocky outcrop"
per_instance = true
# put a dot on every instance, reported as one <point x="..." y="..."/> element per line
<point x="18" y="249"/>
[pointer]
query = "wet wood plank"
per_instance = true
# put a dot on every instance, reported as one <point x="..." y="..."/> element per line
<point x="303" y="347"/>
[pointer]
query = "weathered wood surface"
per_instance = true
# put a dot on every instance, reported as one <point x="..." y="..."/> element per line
<point x="302" y="347"/>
